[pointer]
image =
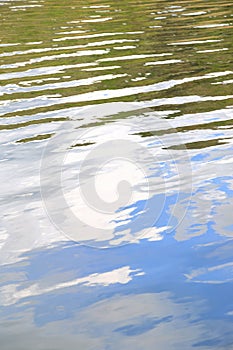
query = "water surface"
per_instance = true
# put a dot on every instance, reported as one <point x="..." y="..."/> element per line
<point x="144" y="89"/>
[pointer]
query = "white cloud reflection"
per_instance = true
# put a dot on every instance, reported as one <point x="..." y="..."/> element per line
<point x="10" y="294"/>
<point x="133" y="322"/>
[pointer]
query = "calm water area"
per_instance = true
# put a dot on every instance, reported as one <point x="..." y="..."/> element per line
<point x="116" y="175"/>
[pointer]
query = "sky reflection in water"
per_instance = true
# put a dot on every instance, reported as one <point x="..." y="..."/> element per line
<point x="157" y="76"/>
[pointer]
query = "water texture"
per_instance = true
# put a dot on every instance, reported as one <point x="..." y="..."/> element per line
<point x="116" y="172"/>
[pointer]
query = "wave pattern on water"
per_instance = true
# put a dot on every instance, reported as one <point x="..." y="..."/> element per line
<point x="78" y="75"/>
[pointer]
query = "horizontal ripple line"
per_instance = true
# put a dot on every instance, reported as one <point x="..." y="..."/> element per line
<point x="45" y="101"/>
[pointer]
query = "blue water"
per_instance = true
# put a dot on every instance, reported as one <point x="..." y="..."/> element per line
<point x="116" y="175"/>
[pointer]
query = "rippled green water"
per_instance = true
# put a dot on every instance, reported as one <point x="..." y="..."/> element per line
<point x="77" y="78"/>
